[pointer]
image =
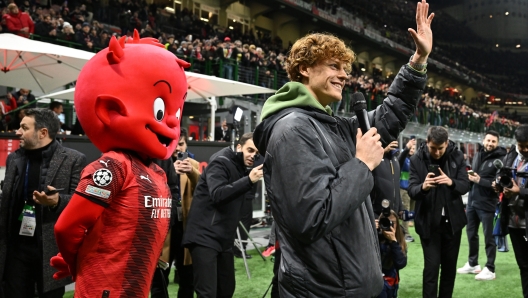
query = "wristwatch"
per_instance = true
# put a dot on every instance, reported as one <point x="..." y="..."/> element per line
<point x="162" y="264"/>
<point x="417" y="66"/>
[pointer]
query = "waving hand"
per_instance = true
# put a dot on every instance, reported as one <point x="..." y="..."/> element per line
<point x="423" y="36"/>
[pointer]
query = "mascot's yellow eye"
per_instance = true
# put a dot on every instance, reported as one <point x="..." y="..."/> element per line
<point x="159" y="109"/>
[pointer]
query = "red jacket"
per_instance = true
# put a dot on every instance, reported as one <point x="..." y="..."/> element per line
<point x="15" y="22"/>
<point x="5" y="108"/>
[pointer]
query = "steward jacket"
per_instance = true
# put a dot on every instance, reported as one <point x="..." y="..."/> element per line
<point x="319" y="191"/>
<point x="482" y="196"/>
<point x="217" y="201"/>
<point x="427" y="216"/>
<point x="405" y="163"/>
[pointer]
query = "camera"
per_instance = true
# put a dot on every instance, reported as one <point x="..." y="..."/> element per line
<point x="385" y="224"/>
<point x="505" y="175"/>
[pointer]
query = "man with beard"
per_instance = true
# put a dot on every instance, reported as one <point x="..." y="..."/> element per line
<point x="29" y="208"/>
<point x="214" y="216"/>
<point x="437" y="181"/>
<point x="481" y="207"/>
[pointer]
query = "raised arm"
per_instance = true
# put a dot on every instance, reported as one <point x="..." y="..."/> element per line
<point x="423" y="35"/>
<point x="221" y="191"/>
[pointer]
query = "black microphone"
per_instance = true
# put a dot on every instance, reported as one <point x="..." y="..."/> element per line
<point x="359" y="104"/>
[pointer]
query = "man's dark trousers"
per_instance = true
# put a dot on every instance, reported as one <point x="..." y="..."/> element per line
<point x="21" y="272"/>
<point x="474" y="218"/>
<point x="214" y="272"/>
<point x="440" y="250"/>
<point x="520" y="247"/>
<point x="185" y="273"/>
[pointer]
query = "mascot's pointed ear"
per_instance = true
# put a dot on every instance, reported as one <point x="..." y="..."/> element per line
<point x="108" y="107"/>
<point x="115" y="51"/>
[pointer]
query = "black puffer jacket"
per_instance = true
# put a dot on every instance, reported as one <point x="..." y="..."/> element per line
<point x="455" y="168"/>
<point x="482" y="196"/>
<point x="319" y="191"/>
<point x="217" y="201"/>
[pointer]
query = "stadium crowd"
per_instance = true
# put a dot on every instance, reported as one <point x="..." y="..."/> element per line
<point x="349" y="167"/>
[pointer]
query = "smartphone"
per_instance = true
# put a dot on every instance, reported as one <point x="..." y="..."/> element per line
<point x="53" y="191"/>
<point x="471" y="172"/>
<point x="183" y="155"/>
<point x="413" y="137"/>
<point x="434" y="169"/>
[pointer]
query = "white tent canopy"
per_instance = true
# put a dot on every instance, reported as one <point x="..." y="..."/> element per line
<point x="36" y="65"/>
<point x="200" y="87"/>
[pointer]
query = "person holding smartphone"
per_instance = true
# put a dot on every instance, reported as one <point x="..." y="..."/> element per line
<point x="437" y="181"/>
<point x="187" y="175"/>
<point x="40" y="180"/>
<point x="214" y="216"/>
<point x="482" y="202"/>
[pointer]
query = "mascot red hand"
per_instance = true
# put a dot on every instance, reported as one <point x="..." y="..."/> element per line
<point x="129" y="100"/>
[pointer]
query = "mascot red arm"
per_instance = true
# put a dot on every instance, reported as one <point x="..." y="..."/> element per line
<point x="129" y="99"/>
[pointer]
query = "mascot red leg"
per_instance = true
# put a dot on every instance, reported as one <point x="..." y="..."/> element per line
<point x="129" y="98"/>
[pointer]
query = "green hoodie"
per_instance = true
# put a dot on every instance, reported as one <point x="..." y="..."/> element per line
<point x="292" y="94"/>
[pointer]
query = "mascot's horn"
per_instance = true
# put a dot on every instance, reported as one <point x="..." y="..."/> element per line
<point x="115" y="51"/>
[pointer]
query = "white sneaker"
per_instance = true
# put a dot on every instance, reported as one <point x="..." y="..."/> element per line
<point x="469" y="269"/>
<point x="485" y="274"/>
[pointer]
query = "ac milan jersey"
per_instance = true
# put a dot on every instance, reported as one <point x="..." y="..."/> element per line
<point x="120" y="252"/>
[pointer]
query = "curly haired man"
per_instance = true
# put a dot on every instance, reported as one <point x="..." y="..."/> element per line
<point x="318" y="166"/>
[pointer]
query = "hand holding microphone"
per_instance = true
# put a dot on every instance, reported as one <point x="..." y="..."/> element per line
<point x="368" y="145"/>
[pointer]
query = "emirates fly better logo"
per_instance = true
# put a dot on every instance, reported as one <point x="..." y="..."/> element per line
<point x="161" y="207"/>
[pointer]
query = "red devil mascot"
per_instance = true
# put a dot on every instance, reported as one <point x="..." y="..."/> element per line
<point x="129" y="99"/>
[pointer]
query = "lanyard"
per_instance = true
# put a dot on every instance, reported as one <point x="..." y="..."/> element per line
<point x="26" y="180"/>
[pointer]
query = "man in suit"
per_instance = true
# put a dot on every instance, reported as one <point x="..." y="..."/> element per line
<point x="223" y="133"/>
<point x="29" y="209"/>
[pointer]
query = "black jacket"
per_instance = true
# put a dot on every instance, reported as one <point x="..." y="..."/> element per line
<point x="482" y="196"/>
<point x="217" y="201"/>
<point x="505" y="211"/>
<point x="455" y="168"/>
<point x="319" y="193"/>
<point x="387" y="184"/>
